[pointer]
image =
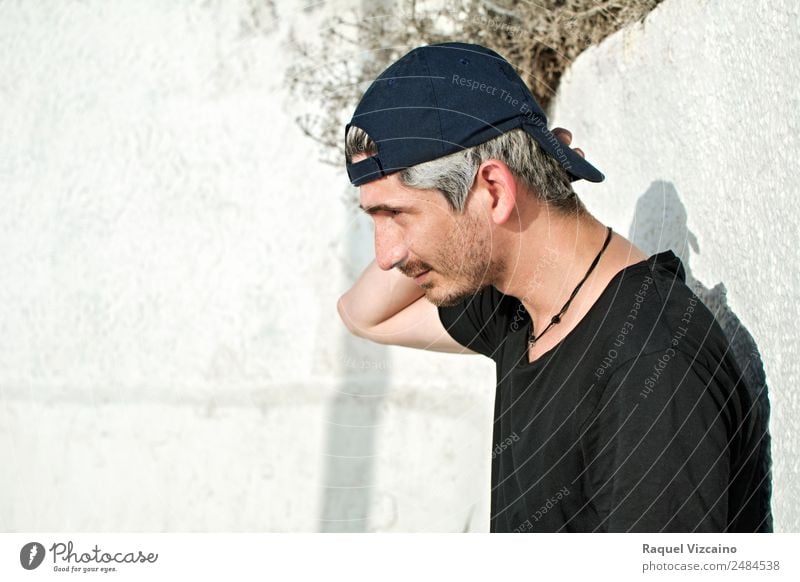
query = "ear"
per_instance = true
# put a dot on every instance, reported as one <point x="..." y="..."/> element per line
<point x="498" y="182"/>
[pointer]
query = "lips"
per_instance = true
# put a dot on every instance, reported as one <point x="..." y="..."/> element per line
<point x="419" y="277"/>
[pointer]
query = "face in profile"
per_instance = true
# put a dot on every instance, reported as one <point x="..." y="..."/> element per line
<point x="448" y="253"/>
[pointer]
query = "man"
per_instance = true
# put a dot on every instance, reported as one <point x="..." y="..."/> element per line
<point x="618" y="400"/>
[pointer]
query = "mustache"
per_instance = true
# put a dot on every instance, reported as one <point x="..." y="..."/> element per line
<point x="414" y="269"/>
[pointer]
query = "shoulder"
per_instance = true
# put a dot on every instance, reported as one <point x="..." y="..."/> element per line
<point x="652" y="309"/>
<point x="648" y="311"/>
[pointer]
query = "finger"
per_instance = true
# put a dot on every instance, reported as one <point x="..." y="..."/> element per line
<point x="563" y="135"/>
<point x="579" y="151"/>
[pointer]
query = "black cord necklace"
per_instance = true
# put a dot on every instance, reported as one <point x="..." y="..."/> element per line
<point x="557" y="317"/>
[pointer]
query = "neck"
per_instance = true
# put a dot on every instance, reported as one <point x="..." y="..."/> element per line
<point x="547" y="258"/>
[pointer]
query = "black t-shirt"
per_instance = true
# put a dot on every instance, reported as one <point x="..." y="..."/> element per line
<point x="636" y="421"/>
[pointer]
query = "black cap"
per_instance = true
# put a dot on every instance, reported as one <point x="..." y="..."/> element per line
<point x="442" y="98"/>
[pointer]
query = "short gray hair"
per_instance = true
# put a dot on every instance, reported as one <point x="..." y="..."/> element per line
<point x="454" y="174"/>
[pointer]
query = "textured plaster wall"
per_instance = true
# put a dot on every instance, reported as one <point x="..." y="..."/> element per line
<point x="170" y="353"/>
<point x="693" y="116"/>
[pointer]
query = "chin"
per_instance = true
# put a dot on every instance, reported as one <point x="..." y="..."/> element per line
<point x="448" y="297"/>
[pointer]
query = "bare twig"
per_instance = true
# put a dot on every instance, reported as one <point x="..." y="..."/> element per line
<point x="500" y="10"/>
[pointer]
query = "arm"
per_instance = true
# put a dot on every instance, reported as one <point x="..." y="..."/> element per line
<point x="657" y="449"/>
<point x="389" y="308"/>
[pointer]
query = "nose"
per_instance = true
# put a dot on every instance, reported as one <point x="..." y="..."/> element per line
<point x="390" y="248"/>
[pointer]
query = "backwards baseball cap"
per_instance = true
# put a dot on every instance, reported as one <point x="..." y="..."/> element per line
<point x="442" y="98"/>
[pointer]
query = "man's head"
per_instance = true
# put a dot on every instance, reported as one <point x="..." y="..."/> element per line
<point x="443" y="164"/>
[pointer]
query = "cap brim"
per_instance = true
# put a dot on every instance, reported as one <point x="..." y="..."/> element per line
<point x="576" y="166"/>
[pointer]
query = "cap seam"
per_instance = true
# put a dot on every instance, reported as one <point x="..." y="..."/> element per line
<point x="435" y="102"/>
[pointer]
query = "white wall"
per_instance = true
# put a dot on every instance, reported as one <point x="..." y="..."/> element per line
<point x="693" y="117"/>
<point x="170" y="354"/>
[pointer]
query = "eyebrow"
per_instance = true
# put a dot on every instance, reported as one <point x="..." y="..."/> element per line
<point x="381" y="208"/>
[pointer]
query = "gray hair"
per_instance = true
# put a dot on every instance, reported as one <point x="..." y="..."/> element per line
<point x="454" y="174"/>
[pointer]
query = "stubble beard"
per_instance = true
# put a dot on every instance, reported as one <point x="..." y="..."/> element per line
<point x="464" y="266"/>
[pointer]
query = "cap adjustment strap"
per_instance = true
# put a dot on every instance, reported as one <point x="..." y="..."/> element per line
<point x="365" y="170"/>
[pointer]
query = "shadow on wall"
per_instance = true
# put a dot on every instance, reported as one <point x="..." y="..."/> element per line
<point x="354" y="416"/>
<point x="660" y="223"/>
<point x="353" y="419"/>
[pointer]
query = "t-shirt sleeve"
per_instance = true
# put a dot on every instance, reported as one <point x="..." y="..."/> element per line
<point x="656" y="448"/>
<point x="479" y="322"/>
